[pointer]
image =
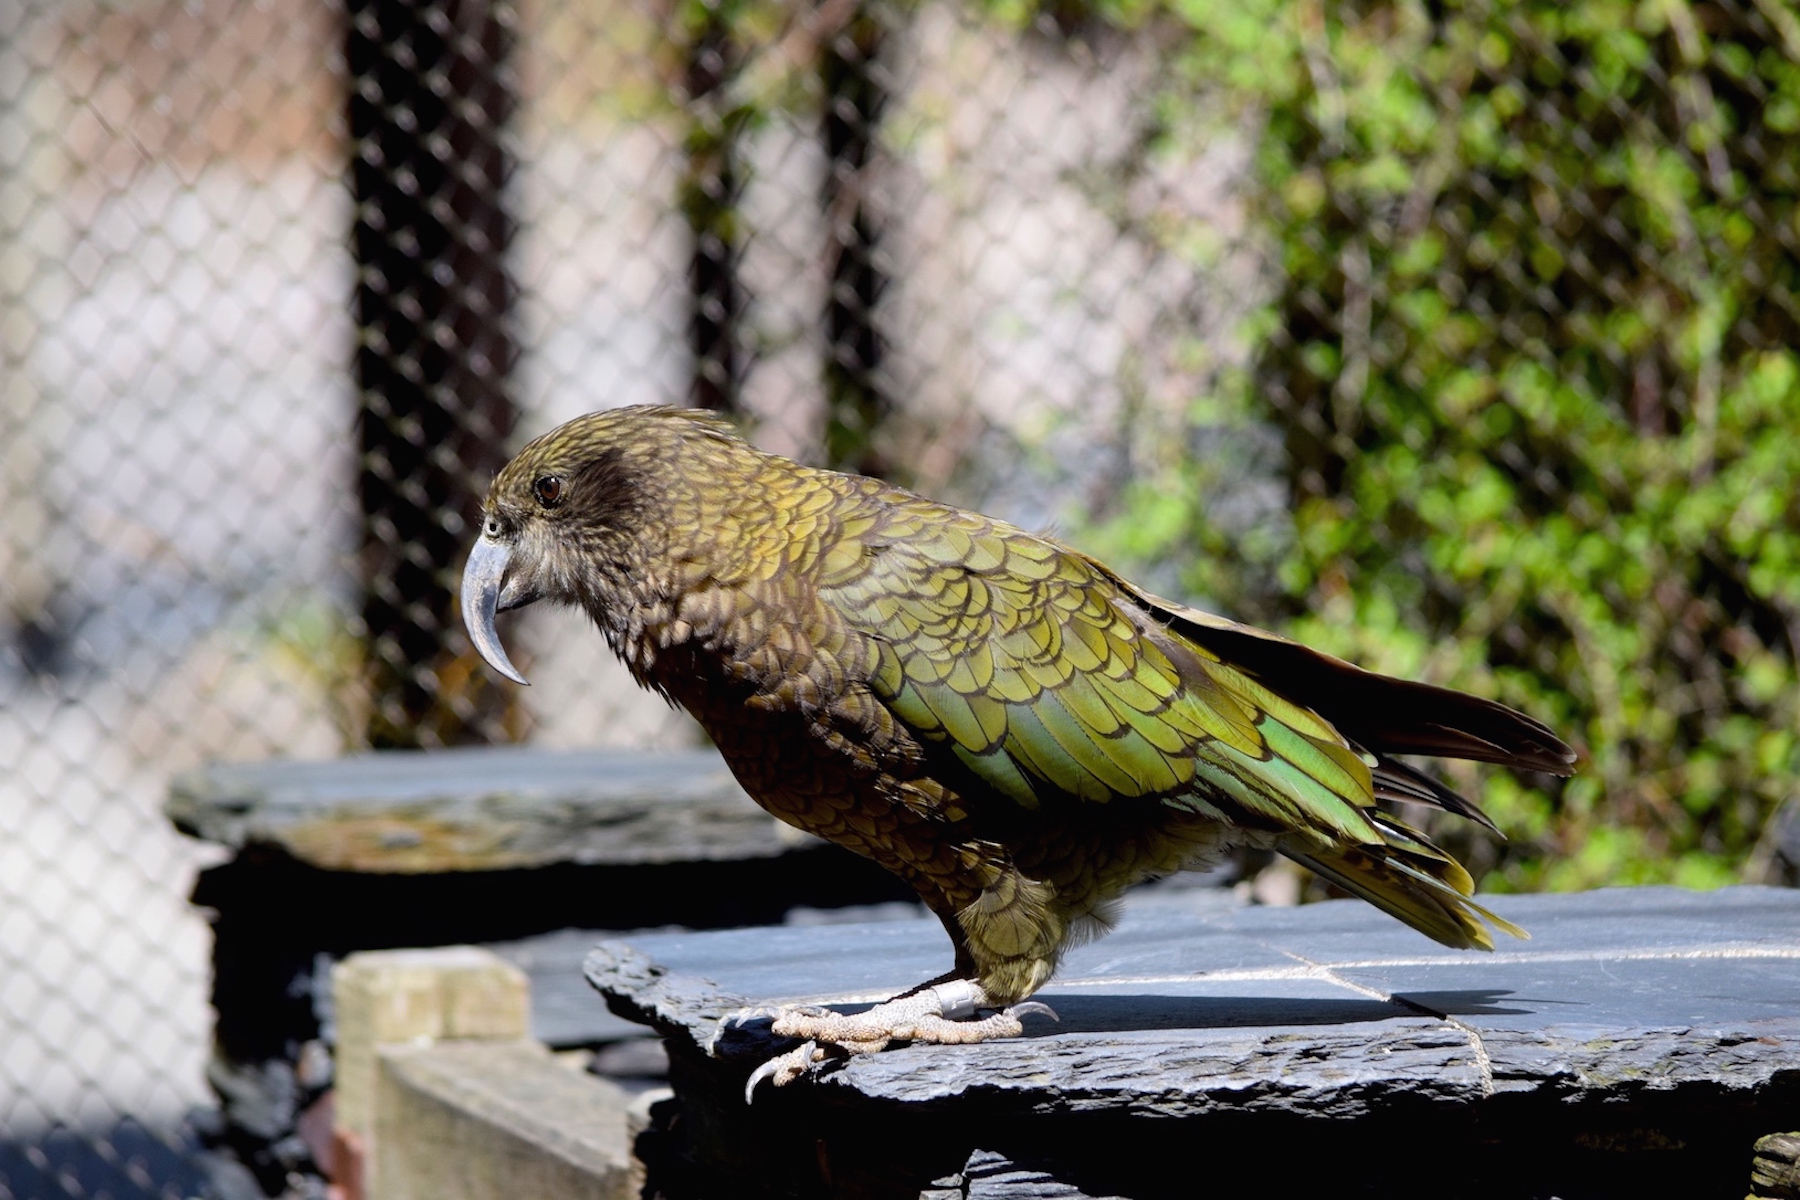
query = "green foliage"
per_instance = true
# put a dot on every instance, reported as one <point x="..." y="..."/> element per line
<point x="1533" y="358"/>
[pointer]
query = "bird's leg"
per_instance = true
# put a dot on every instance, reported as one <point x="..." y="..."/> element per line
<point x="943" y="1012"/>
<point x="978" y="1000"/>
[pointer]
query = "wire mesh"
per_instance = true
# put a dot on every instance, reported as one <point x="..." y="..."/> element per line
<point x="282" y="283"/>
<point x="281" y="280"/>
<point x="170" y="280"/>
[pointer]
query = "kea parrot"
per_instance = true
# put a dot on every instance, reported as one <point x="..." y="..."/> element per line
<point x="1008" y="725"/>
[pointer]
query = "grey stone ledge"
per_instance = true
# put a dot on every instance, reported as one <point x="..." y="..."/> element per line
<point x="482" y="808"/>
<point x="1195" y="1005"/>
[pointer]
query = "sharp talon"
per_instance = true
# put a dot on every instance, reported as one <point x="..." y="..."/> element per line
<point x="730" y="1023"/>
<point x="757" y="1076"/>
<point x="744" y="1016"/>
<point x="1033" y="1006"/>
<point x="783" y="1069"/>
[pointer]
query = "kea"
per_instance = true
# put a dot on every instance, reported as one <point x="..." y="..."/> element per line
<point x="1002" y="721"/>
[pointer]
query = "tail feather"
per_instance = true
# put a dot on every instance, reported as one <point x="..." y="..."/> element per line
<point x="1376" y="712"/>
<point x="1439" y="908"/>
<point x="1395" y="780"/>
<point x="1380" y="717"/>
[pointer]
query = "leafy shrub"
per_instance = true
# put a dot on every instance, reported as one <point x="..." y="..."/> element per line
<point x="1531" y="355"/>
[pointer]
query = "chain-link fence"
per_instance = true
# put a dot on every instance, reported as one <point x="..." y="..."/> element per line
<point x="282" y="282"/>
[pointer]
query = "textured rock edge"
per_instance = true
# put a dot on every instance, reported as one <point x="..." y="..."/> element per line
<point x="1317" y="1071"/>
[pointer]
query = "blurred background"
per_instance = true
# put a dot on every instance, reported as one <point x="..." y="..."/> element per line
<point x="1457" y="339"/>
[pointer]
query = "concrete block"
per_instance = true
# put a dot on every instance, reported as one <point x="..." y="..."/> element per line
<point x="416" y="997"/>
<point x="495" y="1121"/>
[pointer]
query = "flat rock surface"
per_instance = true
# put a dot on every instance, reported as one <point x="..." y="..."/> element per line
<point x="563" y="1011"/>
<point x="1196" y="1003"/>
<point x="482" y="809"/>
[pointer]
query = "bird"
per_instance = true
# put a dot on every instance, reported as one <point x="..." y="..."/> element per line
<point x="1010" y="726"/>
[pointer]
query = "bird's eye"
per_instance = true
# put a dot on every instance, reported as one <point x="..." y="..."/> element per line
<point x="492" y="528"/>
<point x="548" y="489"/>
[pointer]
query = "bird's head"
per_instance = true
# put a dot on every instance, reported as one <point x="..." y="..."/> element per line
<point x="573" y="518"/>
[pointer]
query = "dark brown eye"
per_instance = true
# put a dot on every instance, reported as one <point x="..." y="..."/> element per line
<point x="548" y="489"/>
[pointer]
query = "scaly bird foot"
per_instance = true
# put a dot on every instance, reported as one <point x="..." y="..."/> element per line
<point x="942" y="1015"/>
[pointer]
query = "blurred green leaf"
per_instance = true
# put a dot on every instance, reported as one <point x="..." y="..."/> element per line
<point x="1565" y="471"/>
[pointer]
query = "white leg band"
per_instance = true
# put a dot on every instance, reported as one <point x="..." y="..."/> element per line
<point x="957" y="999"/>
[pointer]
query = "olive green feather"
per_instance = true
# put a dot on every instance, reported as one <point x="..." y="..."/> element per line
<point x="1096" y="692"/>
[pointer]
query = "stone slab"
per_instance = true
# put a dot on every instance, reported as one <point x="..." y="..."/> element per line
<point x="1195" y="1005"/>
<point x="563" y="1011"/>
<point x="482" y="809"/>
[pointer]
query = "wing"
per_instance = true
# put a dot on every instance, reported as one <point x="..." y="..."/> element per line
<point x="1378" y="714"/>
<point x="1045" y="680"/>
<point x="1049" y="677"/>
<point x="1386" y="715"/>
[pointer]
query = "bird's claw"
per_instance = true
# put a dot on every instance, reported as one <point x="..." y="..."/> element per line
<point x="783" y="1069"/>
<point x="1028" y="1007"/>
<point x="743" y="1016"/>
<point x="732" y="1022"/>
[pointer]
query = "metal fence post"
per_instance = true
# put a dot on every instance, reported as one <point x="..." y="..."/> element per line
<point x="430" y="99"/>
<point x="854" y="97"/>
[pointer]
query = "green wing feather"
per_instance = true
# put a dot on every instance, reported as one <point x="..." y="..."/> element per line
<point x="1047" y="675"/>
<point x="1037" y="671"/>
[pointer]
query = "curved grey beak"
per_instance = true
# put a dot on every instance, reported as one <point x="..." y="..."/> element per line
<point x="484" y="593"/>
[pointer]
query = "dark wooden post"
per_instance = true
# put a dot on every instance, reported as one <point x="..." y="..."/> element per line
<point x="854" y="97"/>
<point x="430" y="98"/>
<point x="710" y="188"/>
